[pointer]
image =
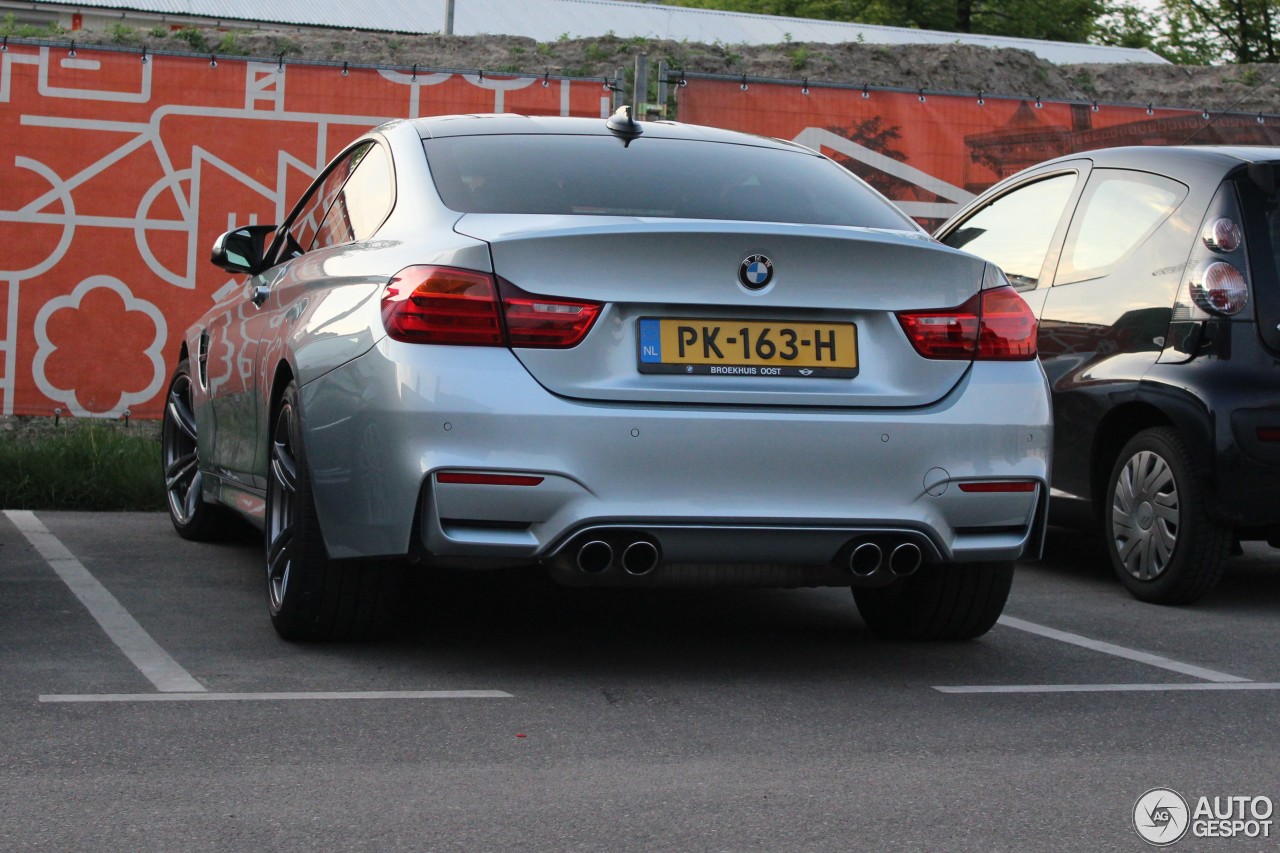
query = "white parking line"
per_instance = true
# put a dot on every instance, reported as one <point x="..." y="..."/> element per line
<point x="276" y="697"/>
<point x="1212" y="679"/>
<point x="1112" y="688"/>
<point x="1120" y="651"/>
<point x="137" y="645"/>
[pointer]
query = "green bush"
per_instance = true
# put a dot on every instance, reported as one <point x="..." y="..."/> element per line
<point x="283" y="45"/>
<point x="228" y="45"/>
<point x="120" y="33"/>
<point x="10" y="27"/>
<point x="597" y="53"/>
<point x="81" y="466"/>
<point x="194" y="37"/>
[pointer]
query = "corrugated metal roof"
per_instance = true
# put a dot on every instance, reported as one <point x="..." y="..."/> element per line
<point x="548" y="20"/>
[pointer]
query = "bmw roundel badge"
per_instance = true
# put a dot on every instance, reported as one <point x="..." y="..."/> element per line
<point x="755" y="272"/>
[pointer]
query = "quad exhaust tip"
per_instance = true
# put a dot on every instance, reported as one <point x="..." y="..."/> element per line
<point x="866" y="559"/>
<point x="640" y="558"/>
<point x="595" y="556"/>
<point x="905" y="559"/>
<point x="872" y="560"/>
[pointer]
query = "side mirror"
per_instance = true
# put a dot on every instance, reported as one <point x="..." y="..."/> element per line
<point x="242" y="249"/>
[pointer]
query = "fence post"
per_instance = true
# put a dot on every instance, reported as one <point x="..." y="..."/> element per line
<point x="640" y="88"/>
<point x="662" y="87"/>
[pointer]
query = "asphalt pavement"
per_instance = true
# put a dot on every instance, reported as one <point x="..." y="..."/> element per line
<point x="146" y="704"/>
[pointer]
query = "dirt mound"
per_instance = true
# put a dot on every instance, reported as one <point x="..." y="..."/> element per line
<point x="935" y="68"/>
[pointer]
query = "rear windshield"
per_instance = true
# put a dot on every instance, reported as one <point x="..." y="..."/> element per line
<point x="596" y="175"/>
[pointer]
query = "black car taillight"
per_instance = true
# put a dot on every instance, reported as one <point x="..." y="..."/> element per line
<point x="1217" y="277"/>
<point x="993" y="325"/>
<point x="1221" y="289"/>
<point x="446" y="305"/>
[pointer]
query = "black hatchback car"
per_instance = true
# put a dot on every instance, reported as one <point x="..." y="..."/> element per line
<point x="1155" y="273"/>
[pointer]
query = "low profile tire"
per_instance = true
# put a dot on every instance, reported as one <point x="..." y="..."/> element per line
<point x="1163" y="545"/>
<point x="952" y="601"/>
<point x="309" y="596"/>
<point x="192" y="517"/>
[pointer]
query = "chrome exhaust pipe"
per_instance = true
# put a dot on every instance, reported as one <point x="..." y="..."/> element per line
<point x="905" y="559"/>
<point x="640" y="558"/>
<point x="595" y="556"/>
<point x="865" y="559"/>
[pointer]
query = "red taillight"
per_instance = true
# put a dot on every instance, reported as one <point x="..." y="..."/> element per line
<point x="1268" y="433"/>
<point x="1008" y="326"/>
<point x="993" y="325"/>
<point x="999" y="486"/>
<point x="943" y="334"/>
<point x="444" y="305"/>
<point x="535" y="321"/>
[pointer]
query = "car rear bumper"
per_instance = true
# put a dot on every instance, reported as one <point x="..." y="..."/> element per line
<point x="1248" y="467"/>
<point x="710" y="484"/>
<point x="1227" y="411"/>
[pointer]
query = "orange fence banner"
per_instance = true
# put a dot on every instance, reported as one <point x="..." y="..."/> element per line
<point x="931" y="153"/>
<point x="118" y="170"/>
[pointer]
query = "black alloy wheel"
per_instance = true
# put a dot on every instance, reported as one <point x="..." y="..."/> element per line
<point x="309" y="595"/>
<point x="192" y="517"/>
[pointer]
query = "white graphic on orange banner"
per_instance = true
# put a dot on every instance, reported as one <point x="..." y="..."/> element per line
<point x="118" y="174"/>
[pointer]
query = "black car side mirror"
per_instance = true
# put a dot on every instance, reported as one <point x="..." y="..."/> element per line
<point x="242" y="249"/>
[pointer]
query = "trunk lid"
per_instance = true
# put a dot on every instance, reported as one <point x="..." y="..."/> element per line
<point x="829" y="288"/>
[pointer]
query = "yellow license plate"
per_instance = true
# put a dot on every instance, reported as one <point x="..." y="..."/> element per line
<point x="747" y="347"/>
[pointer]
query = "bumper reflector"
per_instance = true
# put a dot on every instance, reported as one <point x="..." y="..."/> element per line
<point x="1000" y="486"/>
<point x="471" y="479"/>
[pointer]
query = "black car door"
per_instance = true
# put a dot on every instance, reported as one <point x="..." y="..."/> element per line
<point x="1107" y="311"/>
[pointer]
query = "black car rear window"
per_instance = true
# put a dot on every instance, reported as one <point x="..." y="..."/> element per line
<point x="687" y="179"/>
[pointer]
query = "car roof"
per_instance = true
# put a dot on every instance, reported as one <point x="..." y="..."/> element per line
<point x="508" y="124"/>
<point x="1177" y="161"/>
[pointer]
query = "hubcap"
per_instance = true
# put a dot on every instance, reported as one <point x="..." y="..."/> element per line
<point x="181" y="463"/>
<point x="281" y="508"/>
<point x="1144" y="515"/>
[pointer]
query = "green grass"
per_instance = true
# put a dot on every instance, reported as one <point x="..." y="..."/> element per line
<point x="9" y="27"/>
<point x="194" y="37"/>
<point x="91" y="466"/>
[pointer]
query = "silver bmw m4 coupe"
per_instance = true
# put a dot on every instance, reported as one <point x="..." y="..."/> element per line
<point x="632" y="353"/>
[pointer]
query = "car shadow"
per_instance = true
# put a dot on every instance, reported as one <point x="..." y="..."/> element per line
<point x="520" y="624"/>
<point x="1250" y="581"/>
<point x="1076" y="552"/>
<point x="523" y="603"/>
